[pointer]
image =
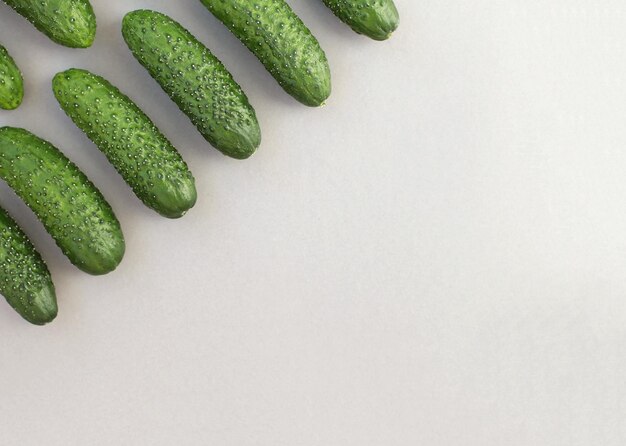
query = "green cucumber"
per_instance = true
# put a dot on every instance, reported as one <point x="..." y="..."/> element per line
<point x="11" y="82"/>
<point x="133" y="144"/>
<point x="195" y="80"/>
<point x="67" y="22"/>
<point x="377" y="19"/>
<point x="25" y="281"/>
<point x="71" y="208"/>
<point x="282" y="42"/>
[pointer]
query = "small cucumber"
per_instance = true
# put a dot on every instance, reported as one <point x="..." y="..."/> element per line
<point x="377" y="19"/>
<point x="11" y="82"/>
<point x="67" y="22"/>
<point x="277" y="36"/>
<point x="25" y="281"/>
<point x="195" y="80"/>
<point x="71" y="208"/>
<point x="133" y="144"/>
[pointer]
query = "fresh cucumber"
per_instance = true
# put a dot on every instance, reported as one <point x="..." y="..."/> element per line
<point x="67" y="22"/>
<point x="71" y="208"/>
<point x="133" y="144"/>
<point x="277" y="36"/>
<point x="11" y="82"/>
<point x="25" y="281"/>
<point x="195" y="80"/>
<point x="377" y="19"/>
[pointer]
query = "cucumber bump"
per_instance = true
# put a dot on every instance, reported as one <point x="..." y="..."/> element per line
<point x="195" y="80"/>
<point x="25" y="281"/>
<point x="71" y="208"/>
<point x="137" y="149"/>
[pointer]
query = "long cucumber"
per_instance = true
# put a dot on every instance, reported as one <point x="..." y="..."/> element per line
<point x="67" y="22"/>
<point x="71" y="208"/>
<point x="195" y="80"/>
<point x="282" y="42"/>
<point x="377" y="19"/>
<point x="133" y="144"/>
<point x="11" y="82"/>
<point x="25" y="281"/>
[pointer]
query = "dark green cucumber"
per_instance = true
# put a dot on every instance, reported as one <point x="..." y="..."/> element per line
<point x="195" y="80"/>
<point x="277" y="36"/>
<point x="71" y="208"/>
<point x="25" y="281"/>
<point x="377" y="19"/>
<point x="133" y="144"/>
<point x="67" y="22"/>
<point x="11" y="82"/>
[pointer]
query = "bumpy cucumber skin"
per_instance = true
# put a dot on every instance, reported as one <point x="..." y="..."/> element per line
<point x="195" y="80"/>
<point x="70" y="23"/>
<point x="281" y="41"/>
<point x="71" y="208"/>
<point x="144" y="157"/>
<point x="11" y="82"/>
<point x="377" y="19"/>
<point x="25" y="281"/>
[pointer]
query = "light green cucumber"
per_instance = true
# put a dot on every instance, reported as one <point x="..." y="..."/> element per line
<point x="377" y="19"/>
<point x="67" y="22"/>
<point x="25" y="281"/>
<point x="195" y="80"/>
<point x="282" y="42"/>
<point x="71" y="208"/>
<point x="11" y="82"/>
<point x="133" y="144"/>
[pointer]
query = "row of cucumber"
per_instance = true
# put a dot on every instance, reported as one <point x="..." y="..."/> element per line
<point x="70" y="207"/>
<point x="269" y="28"/>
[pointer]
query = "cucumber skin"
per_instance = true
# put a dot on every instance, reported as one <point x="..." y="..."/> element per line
<point x="144" y="157"/>
<point x="377" y="19"/>
<point x="71" y="208"/>
<point x="25" y="281"/>
<point x="214" y="102"/>
<point x="282" y="42"/>
<point x="70" y="23"/>
<point x="11" y="82"/>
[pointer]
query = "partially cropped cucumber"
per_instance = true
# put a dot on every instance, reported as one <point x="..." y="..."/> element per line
<point x="25" y="281"/>
<point x="133" y="144"/>
<point x="67" y="22"/>
<point x="195" y="80"/>
<point x="11" y="82"/>
<point x="277" y="36"/>
<point x="377" y="19"/>
<point x="71" y="208"/>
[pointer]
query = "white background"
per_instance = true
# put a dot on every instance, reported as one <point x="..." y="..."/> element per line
<point x="437" y="257"/>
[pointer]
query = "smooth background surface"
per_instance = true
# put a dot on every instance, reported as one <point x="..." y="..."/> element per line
<point x="437" y="257"/>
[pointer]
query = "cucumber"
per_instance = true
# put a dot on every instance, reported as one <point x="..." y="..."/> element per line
<point x="71" y="208"/>
<point x="195" y="80"/>
<point x="377" y="19"/>
<point x="25" y="281"/>
<point x="67" y="22"/>
<point x="133" y="144"/>
<point x="11" y="82"/>
<point x="279" y="39"/>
